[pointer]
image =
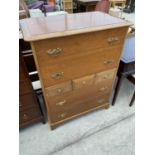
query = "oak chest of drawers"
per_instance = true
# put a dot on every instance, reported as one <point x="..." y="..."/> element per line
<point x="77" y="57"/>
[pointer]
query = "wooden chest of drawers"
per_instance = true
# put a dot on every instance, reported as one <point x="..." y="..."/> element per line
<point x="77" y="57"/>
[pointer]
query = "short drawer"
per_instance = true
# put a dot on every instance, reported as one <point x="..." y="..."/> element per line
<point x="83" y="82"/>
<point x="76" y="107"/>
<point x="58" y="89"/>
<point x="28" y="115"/>
<point x="27" y="101"/>
<point x="105" y="76"/>
<point x="25" y="87"/>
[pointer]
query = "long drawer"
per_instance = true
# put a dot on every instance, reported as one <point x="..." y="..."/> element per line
<point x="58" y="49"/>
<point x="78" y="67"/>
<point x="78" y="107"/>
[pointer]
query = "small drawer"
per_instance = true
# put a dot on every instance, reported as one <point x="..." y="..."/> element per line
<point x="29" y="114"/>
<point x="58" y="89"/>
<point x="105" y="76"/>
<point x="83" y="82"/>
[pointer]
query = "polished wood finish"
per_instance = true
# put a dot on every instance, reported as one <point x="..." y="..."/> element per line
<point x="68" y="24"/>
<point x="76" y="61"/>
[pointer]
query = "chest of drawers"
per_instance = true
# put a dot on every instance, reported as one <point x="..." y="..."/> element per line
<point x="77" y="57"/>
<point x="29" y="110"/>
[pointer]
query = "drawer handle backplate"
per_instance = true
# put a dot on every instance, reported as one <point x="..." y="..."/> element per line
<point x="62" y="115"/>
<point x="100" y="101"/>
<point x="54" y="52"/>
<point x="57" y="75"/>
<point x="108" y="62"/>
<point x="61" y="103"/>
<point x="103" y="89"/>
<point x="25" y="116"/>
<point x="111" y="40"/>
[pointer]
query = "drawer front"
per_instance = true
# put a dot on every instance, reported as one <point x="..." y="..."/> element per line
<point x="28" y="115"/>
<point x="61" y="102"/>
<point x="25" y="87"/>
<point x="105" y="76"/>
<point x="59" y="89"/>
<point x="78" y="107"/>
<point x="27" y="101"/>
<point x="56" y="50"/>
<point x="83" y="82"/>
<point x="79" y="67"/>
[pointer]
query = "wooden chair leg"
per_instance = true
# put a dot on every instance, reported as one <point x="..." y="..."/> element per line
<point x="132" y="100"/>
<point x="116" y="90"/>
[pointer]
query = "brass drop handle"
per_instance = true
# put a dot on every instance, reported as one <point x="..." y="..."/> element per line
<point x="25" y="116"/>
<point x="61" y="103"/>
<point x="106" y="77"/>
<point x="103" y="89"/>
<point x="112" y="39"/>
<point x="54" y="52"/>
<point x="60" y="90"/>
<point x="100" y="101"/>
<point x="83" y="82"/>
<point x="62" y="115"/>
<point x="57" y="75"/>
<point x="108" y="62"/>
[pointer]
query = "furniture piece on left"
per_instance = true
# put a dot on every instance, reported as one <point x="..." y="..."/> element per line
<point x="29" y="107"/>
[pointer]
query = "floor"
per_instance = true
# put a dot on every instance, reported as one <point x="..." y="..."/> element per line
<point x="108" y="131"/>
<point x="103" y="132"/>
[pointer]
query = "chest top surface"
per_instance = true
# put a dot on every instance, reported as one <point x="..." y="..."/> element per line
<point x="69" y="24"/>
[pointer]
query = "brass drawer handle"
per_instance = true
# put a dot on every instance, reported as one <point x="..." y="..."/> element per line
<point x="112" y="40"/>
<point x="83" y="82"/>
<point x="61" y="103"/>
<point x="55" y="52"/>
<point x="57" y="75"/>
<point x="100" y="101"/>
<point x="107" y="62"/>
<point x="62" y="115"/>
<point x="60" y="90"/>
<point x="25" y="116"/>
<point x="103" y="89"/>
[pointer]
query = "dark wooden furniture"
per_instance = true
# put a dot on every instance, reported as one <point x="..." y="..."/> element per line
<point x="76" y="61"/>
<point x="90" y="5"/>
<point x="29" y="102"/>
<point x="86" y="5"/>
<point x="127" y="65"/>
<point x="131" y="78"/>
